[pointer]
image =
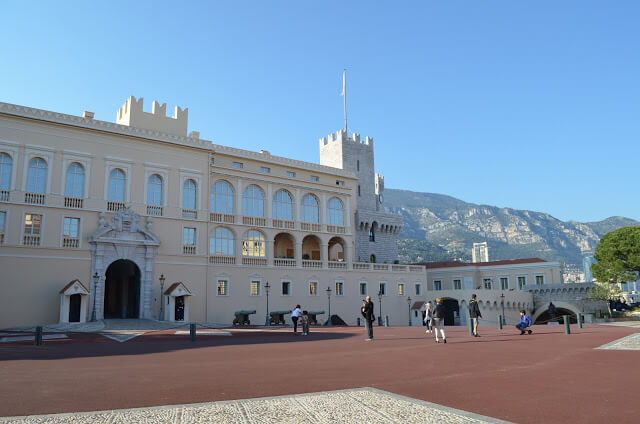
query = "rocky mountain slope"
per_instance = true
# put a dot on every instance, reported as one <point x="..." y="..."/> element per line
<point x="439" y="227"/>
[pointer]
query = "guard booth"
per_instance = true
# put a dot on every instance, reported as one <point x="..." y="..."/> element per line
<point x="418" y="313"/>
<point x="74" y="300"/>
<point x="176" y="302"/>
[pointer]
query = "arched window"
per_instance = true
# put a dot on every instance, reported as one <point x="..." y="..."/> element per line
<point x="154" y="190"/>
<point x="335" y="212"/>
<point x="222" y="197"/>
<point x="372" y="232"/>
<point x="117" y="182"/>
<point x="221" y="242"/>
<point x="309" y="209"/>
<point x="37" y="176"/>
<point x="6" y="166"/>
<point x="253" y="201"/>
<point x="282" y="205"/>
<point x="189" y="195"/>
<point x="253" y="244"/>
<point x="74" y="185"/>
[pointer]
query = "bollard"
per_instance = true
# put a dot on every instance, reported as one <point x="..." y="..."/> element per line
<point x="38" y="338"/>
<point x="470" y="326"/>
<point x="579" y="320"/>
<point x="192" y="332"/>
<point x="567" y="330"/>
<point x="386" y="320"/>
<point x="358" y="321"/>
<point x="499" y="322"/>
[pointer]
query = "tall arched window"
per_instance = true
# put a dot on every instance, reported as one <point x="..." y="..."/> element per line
<point x="253" y="244"/>
<point x="74" y="184"/>
<point x="309" y="210"/>
<point x="37" y="176"/>
<point x="335" y="212"/>
<point x="6" y="166"/>
<point x="189" y="195"/>
<point x="117" y="184"/>
<point x="253" y="201"/>
<point x="154" y="190"/>
<point x="222" y="242"/>
<point x="222" y="197"/>
<point x="282" y="205"/>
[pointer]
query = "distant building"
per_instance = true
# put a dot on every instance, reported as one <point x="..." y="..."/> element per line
<point x="480" y="252"/>
<point x="586" y="264"/>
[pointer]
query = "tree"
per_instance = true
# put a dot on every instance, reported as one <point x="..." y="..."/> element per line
<point x="618" y="256"/>
<point x="606" y="292"/>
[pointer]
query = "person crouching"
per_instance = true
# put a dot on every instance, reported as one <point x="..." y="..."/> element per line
<point x="525" y="322"/>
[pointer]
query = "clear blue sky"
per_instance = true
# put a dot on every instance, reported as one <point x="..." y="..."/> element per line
<point x="531" y="105"/>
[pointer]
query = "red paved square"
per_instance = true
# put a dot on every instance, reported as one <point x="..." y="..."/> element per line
<point x="546" y="377"/>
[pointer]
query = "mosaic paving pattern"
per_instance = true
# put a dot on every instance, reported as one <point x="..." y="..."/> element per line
<point x="364" y="405"/>
<point x="631" y="342"/>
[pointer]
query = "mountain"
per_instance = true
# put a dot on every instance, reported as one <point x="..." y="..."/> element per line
<point x="439" y="227"/>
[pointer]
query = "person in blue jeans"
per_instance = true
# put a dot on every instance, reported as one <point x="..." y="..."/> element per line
<point x="525" y="322"/>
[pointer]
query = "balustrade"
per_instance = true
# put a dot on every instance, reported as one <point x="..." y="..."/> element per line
<point x="222" y="260"/>
<point x="115" y="206"/>
<point x="34" y="198"/>
<point x="70" y="242"/>
<point x="154" y="210"/>
<point x="189" y="249"/>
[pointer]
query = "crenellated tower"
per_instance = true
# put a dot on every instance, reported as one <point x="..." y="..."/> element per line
<point x="376" y="231"/>
<point x="131" y="114"/>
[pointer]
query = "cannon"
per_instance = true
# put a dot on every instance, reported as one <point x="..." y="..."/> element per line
<point x="277" y="317"/>
<point x="242" y="317"/>
<point x="312" y="317"/>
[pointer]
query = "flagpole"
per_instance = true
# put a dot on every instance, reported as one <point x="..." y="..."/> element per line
<point x="344" y="94"/>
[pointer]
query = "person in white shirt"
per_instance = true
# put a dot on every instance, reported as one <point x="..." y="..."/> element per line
<point x="294" y="317"/>
<point x="428" y="317"/>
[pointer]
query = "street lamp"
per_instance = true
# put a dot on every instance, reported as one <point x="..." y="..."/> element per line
<point x="96" y="280"/>
<point x="409" y="303"/>
<point x="380" y="311"/>
<point x="266" y="289"/>
<point x="161" y="299"/>
<point x="329" y="297"/>
<point x="504" y="321"/>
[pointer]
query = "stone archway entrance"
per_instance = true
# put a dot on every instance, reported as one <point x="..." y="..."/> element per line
<point x="452" y="310"/>
<point x="123" y="255"/>
<point x="122" y="290"/>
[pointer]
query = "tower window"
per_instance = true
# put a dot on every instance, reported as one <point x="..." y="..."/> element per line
<point x="358" y="189"/>
<point x="358" y="165"/>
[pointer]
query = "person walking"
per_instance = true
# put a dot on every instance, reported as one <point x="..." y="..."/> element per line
<point x="474" y="314"/>
<point x="294" y="317"/>
<point x="438" y="320"/>
<point x="305" y="323"/>
<point x="525" y="322"/>
<point x="367" y="314"/>
<point x="428" y="317"/>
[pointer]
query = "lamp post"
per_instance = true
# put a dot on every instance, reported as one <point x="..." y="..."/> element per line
<point x="266" y="289"/>
<point x="409" y="303"/>
<point x="162" y="278"/>
<point x="380" y="311"/>
<point x="96" y="279"/>
<point x="504" y="321"/>
<point x="329" y="297"/>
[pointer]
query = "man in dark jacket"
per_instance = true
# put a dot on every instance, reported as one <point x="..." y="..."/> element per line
<point x="367" y="314"/>
<point x="474" y="314"/>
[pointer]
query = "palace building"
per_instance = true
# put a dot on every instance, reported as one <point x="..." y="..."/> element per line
<point x="143" y="219"/>
<point x="151" y="221"/>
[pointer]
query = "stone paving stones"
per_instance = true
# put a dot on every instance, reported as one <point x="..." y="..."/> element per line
<point x="631" y="342"/>
<point x="363" y="405"/>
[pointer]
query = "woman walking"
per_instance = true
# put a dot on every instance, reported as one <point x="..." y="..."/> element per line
<point x="438" y="320"/>
<point x="428" y="317"/>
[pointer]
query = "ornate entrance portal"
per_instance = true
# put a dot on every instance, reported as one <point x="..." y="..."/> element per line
<point x="123" y="255"/>
<point x="122" y="290"/>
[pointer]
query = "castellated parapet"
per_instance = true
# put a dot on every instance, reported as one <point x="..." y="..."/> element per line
<point x="131" y="114"/>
